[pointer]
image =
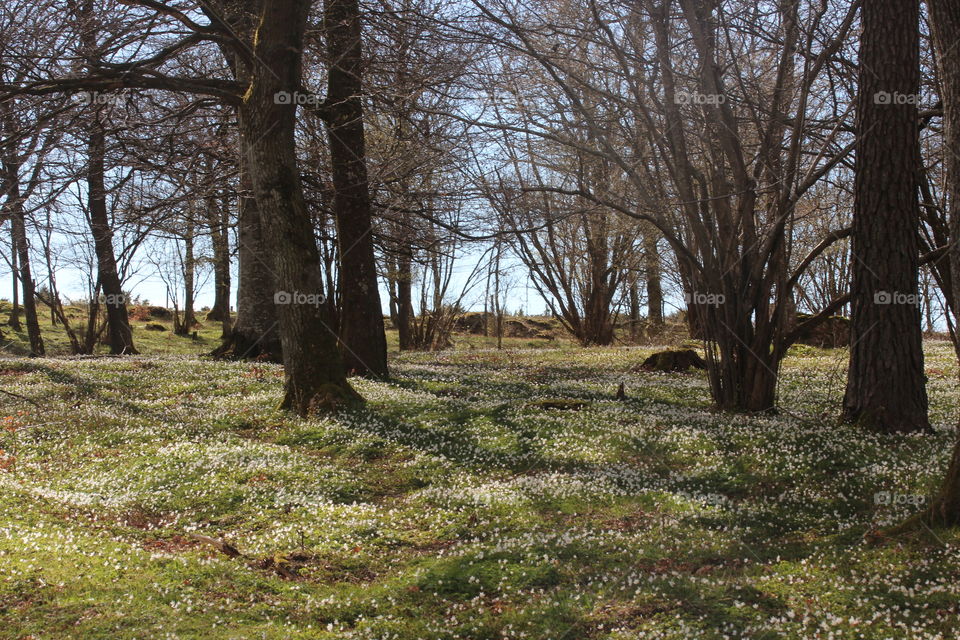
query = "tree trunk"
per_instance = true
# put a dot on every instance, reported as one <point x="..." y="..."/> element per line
<point x="11" y="170"/>
<point x="597" y="326"/>
<point x="121" y="336"/>
<point x="255" y="334"/>
<point x="404" y="298"/>
<point x="312" y="364"/>
<point x="362" y="338"/>
<point x="56" y="306"/>
<point x="218" y="221"/>
<point x="14" y="320"/>
<point x="19" y="234"/>
<point x="90" y="333"/>
<point x="886" y="384"/>
<point x="944" y="510"/>
<point x="495" y="300"/>
<point x="189" y="276"/>
<point x="597" y="323"/>
<point x="653" y="281"/>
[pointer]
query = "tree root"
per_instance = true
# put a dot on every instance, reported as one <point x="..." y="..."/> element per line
<point x="327" y="398"/>
<point x="921" y="525"/>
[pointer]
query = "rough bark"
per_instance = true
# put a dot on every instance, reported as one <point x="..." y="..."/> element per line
<point x="362" y="337"/>
<point x="886" y="389"/>
<point x="604" y="283"/>
<point x="255" y="334"/>
<point x="312" y="364"/>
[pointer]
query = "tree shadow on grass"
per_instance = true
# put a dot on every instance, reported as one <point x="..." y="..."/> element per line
<point x="88" y="390"/>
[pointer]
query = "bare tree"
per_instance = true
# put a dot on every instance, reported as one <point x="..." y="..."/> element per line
<point x="721" y="134"/>
<point x="15" y="211"/>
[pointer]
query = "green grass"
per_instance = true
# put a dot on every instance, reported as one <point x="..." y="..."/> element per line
<point x="56" y="342"/>
<point x="481" y="494"/>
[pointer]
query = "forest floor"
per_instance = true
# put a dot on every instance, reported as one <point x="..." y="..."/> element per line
<point x="458" y="504"/>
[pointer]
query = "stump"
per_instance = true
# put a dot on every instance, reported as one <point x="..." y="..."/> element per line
<point x="673" y="361"/>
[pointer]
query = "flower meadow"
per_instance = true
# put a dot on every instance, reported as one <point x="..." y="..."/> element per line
<point x="167" y="497"/>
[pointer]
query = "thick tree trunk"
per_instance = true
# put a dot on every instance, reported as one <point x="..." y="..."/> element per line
<point x="256" y="332"/>
<point x="886" y="384"/>
<point x="312" y="364"/>
<point x="120" y="334"/>
<point x="362" y="338"/>
<point x="597" y="326"/>
<point x="255" y="335"/>
<point x="597" y="321"/>
<point x="108" y="277"/>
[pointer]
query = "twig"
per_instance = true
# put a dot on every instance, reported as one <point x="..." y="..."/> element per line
<point x="20" y="397"/>
<point x="223" y="546"/>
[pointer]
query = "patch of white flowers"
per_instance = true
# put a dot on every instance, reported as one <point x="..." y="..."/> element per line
<point x="457" y="506"/>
